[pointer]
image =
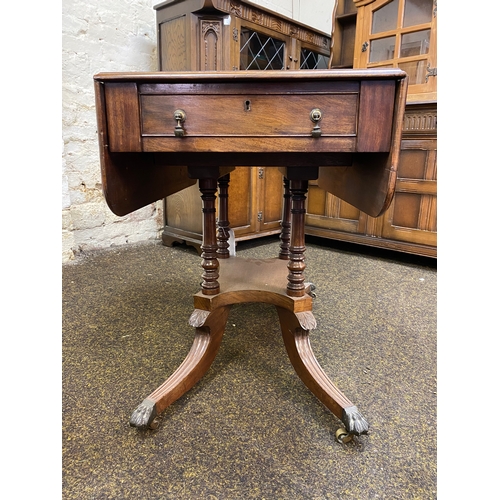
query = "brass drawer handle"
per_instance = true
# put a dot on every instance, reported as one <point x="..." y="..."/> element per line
<point x="180" y="117"/>
<point x="315" y="117"/>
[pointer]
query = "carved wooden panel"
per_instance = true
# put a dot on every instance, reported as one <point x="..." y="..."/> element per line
<point x="420" y="121"/>
<point x="211" y="44"/>
<point x="413" y="214"/>
<point x="272" y="22"/>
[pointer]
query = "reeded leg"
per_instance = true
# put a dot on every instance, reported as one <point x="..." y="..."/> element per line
<point x="299" y="350"/>
<point x="286" y="222"/>
<point x="206" y="344"/>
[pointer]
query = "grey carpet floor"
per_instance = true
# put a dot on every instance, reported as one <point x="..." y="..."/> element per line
<point x="249" y="429"/>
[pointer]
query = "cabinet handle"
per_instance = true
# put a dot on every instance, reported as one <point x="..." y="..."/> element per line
<point x="315" y="115"/>
<point x="180" y="117"/>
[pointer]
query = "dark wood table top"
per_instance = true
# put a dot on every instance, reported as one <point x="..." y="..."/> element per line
<point x="302" y="121"/>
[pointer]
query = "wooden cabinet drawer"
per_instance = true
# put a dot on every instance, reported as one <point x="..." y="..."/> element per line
<point x="246" y="116"/>
<point x="249" y="115"/>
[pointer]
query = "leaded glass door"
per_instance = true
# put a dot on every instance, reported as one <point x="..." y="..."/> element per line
<point x="310" y="59"/>
<point x="259" y="51"/>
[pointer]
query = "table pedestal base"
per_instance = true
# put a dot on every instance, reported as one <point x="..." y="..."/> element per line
<point x="250" y="280"/>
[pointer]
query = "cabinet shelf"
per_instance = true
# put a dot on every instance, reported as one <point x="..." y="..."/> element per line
<point x="347" y="18"/>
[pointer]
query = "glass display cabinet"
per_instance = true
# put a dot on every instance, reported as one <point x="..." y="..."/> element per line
<point x="400" y="34"/>
<point x="381" y="34"/>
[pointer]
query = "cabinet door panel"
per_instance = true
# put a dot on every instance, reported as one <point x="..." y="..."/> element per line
<point x="316" y="201"/>
<point x="211" y="46"/>
<point x="412" y="217"/>
<point x="347" y="211"/>
<point x="183" y="210"/>
<point x="406" y="210"/>
<point x="242" y="201"/>
<point x="271" y="199"/>
<point x="412" y="164"/>
<point x="401" y="34"/>
<point x="173" y="45"/>
<point x="329" y="212"/>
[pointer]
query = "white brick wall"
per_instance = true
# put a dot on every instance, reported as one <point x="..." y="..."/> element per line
<point x="99" y="35"/>
<point x="113" y="35"/>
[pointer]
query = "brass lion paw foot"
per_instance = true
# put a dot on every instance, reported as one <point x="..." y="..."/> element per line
<point x="144" y="416"/>
<point x="354" y="422"/>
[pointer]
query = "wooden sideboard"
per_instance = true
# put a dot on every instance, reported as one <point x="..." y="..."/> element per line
<point x="223" y="35"/>
<point x="410" y="223"/>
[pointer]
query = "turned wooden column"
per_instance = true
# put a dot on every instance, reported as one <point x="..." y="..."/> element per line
<point x="223" y="231"/>
<point x="286" y="223"/>
<point x="296" y="265"/>
<point x="210" y="264"/>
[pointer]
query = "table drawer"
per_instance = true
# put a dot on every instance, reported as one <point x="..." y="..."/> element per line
<point x="288" y="117"/>
<point x="249" y="116"/>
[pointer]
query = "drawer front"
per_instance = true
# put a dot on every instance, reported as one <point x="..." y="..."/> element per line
<point x="250" y="115"/>
<point x="247" y="118"/>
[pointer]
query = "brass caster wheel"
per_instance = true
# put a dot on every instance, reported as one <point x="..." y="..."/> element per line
<point x="310" y="287"/>
<point x="343" y="436"/>
<point x="155" y="423"/>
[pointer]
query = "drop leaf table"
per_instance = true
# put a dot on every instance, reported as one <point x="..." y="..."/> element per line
<point x="162" y="132"/>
